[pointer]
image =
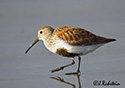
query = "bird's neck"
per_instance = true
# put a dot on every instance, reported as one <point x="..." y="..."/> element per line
<point x="48" y="40"/>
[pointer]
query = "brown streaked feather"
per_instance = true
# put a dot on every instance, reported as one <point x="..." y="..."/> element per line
<point x="77" y="36"/>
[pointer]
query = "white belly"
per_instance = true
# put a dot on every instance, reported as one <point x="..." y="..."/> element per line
<point x="82" y="50"/>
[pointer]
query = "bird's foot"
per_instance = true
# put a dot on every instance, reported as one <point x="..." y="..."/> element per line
<point x="73" y="73"/>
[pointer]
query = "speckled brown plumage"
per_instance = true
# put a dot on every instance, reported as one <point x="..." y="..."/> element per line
<point x="77" y="36"/>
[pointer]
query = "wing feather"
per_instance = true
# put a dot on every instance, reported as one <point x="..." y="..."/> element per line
<point x="76" y="36"/>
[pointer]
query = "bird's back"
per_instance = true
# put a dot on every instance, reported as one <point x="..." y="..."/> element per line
<point x="77" y="36"/>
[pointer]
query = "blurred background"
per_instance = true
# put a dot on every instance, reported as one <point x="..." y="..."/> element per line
<point x="19" y="22"/>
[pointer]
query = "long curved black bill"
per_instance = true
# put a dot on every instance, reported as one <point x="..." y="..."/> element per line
<point x="34" y="42"/>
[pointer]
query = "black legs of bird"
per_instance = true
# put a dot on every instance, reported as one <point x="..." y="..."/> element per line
<point x="78" y="68"/>
<point x="73" y="62"/>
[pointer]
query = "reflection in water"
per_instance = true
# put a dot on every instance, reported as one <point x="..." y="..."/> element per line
<point x="68" y="83"/>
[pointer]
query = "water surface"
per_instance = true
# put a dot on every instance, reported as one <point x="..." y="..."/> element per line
<point x="19" y="22"/>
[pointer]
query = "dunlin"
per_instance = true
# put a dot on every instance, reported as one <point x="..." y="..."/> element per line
<point x="69" y="41"/>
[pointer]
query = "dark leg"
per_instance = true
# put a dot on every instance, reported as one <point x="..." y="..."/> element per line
<point x="79" y="60"/>
<point x="78" y="68"/>
<point x="62" y="67"/>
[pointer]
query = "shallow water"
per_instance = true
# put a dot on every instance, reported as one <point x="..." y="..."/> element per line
<point x="19" y="22"/>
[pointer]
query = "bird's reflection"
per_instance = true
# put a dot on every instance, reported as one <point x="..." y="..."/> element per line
<point x="68" y="83"/>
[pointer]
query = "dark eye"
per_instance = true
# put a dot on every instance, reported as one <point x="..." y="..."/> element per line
<point x="41" y="32"/>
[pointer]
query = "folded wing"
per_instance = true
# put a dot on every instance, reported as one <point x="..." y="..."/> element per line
<point x="76" y="36"/>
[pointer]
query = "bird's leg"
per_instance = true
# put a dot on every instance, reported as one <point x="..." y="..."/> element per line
<point x="78" y="68"/>
<point x="62" y="67"/>
<point x="79" y="60"/>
